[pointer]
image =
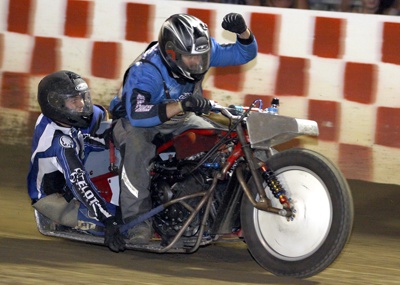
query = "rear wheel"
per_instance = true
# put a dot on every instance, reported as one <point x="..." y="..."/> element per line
<point x="312" y="240"/>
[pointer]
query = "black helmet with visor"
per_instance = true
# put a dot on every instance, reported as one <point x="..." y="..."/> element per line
<point x="185" y="46"/>
<point x="64" y="97"/>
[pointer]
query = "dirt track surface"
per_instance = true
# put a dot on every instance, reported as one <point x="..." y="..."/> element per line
<point x="27" y="257"/>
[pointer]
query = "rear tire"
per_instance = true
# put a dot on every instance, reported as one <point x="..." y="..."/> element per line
<point x="323" y="220"/>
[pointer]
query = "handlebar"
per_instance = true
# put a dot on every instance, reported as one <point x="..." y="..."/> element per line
<point x="226" y="111"/>
<point x="231" y="112"/>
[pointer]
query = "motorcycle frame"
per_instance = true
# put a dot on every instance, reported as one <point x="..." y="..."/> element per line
<point x="242" y="149"/>
<point x="286" y="128"/>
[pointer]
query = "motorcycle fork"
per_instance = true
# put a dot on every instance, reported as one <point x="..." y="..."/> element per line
<point x="263" y="203"/>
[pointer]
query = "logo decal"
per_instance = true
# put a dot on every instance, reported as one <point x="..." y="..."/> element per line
<point x="202" y="47"/>
<point x="66" y="142"/>
<point x="81" y="86"/>
<point x="77" y="178"/>
<point x="141" y="106"/>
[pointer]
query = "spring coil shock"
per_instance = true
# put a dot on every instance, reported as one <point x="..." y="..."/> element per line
<point x="275" y="186"/>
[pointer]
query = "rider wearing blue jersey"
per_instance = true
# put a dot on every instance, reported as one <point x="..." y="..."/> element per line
<point x="58" y="184"/>
<point x="162" y="94"/>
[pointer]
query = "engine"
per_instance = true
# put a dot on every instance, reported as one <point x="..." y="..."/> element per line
<point x="171" y="180"/>
<point x="176" y="173"/>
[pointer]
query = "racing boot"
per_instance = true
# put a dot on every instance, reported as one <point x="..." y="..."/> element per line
<point x="141" y="233"/>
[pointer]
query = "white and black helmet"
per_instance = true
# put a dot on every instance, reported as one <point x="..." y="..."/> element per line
<point x="183" y="34"/>
<point x="58" y="87"/>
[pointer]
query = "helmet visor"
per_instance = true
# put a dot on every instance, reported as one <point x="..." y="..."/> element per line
<point x="190" y="63"/>
<point x="194" y="63"/>
<point x="79" y="103"/>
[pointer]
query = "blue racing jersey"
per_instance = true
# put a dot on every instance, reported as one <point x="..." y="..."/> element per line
<point x="144" y="89"/>
<point x="57" y="162"/>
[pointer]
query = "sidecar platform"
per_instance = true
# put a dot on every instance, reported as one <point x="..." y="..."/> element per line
<point x="49" y="228"/>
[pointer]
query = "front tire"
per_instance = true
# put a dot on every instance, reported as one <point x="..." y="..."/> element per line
<point x="313" y="239"/>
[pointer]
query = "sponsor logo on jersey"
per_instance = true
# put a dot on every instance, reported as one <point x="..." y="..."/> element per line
<point x="141" y="106"/>
<point x="66" y="142"/>
<point x="77" y="178"/>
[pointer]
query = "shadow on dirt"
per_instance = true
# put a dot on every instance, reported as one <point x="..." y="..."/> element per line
<point x="57" y="254"/>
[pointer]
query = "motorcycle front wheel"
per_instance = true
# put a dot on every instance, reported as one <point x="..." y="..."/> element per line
<point x="313" y="238"/>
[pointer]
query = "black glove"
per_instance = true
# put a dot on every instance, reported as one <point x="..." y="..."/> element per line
<point x="196" y="104"/>
<point x="107" y="135"/>
<point x="112" y="237"/>
<point x="234" y="23"/>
